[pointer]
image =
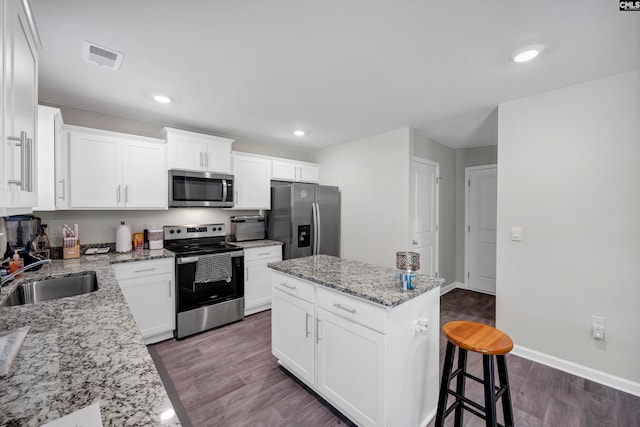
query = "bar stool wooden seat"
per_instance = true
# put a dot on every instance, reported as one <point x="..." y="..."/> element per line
<point x="490" y="342"/>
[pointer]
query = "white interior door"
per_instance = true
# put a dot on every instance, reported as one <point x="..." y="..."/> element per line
<point x="481" y="197"/>
<point x="425" y="214"/>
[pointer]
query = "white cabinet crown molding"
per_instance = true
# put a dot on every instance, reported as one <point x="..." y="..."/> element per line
<point x="119" y="135"/>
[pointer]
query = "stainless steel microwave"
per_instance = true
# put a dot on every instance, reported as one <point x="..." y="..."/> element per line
<point x="200" y="189"/>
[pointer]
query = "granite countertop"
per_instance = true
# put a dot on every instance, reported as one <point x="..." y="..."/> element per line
<point x="81" y="350"/>
<point x="368" y="281"/>
<point x="256" y="243"/>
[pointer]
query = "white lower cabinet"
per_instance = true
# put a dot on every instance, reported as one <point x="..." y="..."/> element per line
<point x="351" y="368"/>
<point x="148" y="287"/>
<point x="377" y="365"/>
<point x="257" y="277"/>
<point x="292" y="326"/>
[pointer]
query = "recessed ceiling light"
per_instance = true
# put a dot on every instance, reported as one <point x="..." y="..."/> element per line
<point x="527" y="53"/>
<point x="299" y="132"/>
<point x="163" y="99"/>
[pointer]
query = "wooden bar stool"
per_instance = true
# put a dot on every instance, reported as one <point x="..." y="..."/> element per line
<point x="488" y="341"/>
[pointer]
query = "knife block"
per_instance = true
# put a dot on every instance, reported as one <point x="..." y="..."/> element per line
<point x="71" y="252"/>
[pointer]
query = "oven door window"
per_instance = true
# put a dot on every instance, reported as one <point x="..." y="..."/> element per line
<point x="195" y="189"/>
<point x="193" y="295"/>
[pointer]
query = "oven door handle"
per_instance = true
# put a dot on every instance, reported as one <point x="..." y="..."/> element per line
<point x="188" y="260"/>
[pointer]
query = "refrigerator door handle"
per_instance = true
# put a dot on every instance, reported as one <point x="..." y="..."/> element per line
<point x="315" y="228"/>
<point x="318" y="229"/>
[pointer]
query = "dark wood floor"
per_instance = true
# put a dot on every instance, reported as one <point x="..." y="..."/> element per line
<point x="228" y="377"/>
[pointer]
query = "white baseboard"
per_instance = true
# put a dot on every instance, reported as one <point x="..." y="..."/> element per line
<point x="600" y="377"/>
<point x="451" y="286"/>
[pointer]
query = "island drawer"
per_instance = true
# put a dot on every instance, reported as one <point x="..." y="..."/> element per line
<point x="354" y="309"/>
<point x="293" y="286"/>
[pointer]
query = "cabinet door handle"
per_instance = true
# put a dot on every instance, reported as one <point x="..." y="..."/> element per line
<point x="126" y="193"/>
<point x="306" y="325"/>
<point x="61" y="181"/>
<point x="146" y="269"/>
<point x="292" y="287"/>
<point x="342" y="307"/>
<point x="246" y="274"/>
<point x="206" y="160"/>
<point x="20" y="142"/>
<point x="169" y="282"/>
<point x="201" y="161"/>
<point x="318" y="339"/>
<point x="29" y="166"/>
<point x="118" y="193"/>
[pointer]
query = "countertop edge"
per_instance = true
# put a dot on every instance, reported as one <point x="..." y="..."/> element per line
<point x="358" y="279"/>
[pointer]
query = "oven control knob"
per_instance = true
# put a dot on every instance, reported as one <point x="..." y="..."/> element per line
<point x="178" y="231"/>
<point x="219" y="228"/>
<point x="171" y="231"/>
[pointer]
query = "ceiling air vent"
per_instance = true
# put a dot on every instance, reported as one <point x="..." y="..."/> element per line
<point x="101" y="55"/>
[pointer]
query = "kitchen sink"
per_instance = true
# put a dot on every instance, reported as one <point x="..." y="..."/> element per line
<point x="53" y="288"/>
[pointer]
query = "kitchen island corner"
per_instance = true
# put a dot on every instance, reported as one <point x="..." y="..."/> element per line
<point x="347" y="330"/>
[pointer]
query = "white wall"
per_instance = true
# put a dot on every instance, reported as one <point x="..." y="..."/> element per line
<point x="373" y="175"/>
<point x="445" y="156"/>
<point x="100" y="226"/>
<point x="569" y="174"/>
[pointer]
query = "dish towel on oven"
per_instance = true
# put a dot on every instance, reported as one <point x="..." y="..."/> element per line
<point x="213" y="268"/>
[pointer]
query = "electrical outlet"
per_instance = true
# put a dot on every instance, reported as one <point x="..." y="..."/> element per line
<point x="597" y="327"/>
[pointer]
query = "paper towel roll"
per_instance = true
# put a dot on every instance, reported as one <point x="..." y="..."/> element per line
<point x="123" y="238"/>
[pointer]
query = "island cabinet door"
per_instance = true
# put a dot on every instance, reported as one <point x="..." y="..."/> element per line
<point x="351" y="368"/>
<point x="292" y="334"/>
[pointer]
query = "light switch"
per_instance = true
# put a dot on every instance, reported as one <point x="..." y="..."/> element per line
<point x="516" y="233"/>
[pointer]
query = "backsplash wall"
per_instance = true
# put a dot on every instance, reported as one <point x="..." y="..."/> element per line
<point x="100" y="226"/>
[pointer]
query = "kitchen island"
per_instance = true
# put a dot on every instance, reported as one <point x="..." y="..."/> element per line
<point x="347" y="330"/>
<point x="82" y="350"/>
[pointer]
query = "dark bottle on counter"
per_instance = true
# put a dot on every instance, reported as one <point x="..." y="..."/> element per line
<point x="145" y="238"/>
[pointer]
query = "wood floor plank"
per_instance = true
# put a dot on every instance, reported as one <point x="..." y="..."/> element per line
<point x="227" y="377"/>
<point x="561" y="414"/>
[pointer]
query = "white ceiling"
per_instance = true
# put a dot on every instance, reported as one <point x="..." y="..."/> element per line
<point x="340" y="69"/>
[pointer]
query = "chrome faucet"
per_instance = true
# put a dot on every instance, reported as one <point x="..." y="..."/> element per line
<point x="23" y="269"/>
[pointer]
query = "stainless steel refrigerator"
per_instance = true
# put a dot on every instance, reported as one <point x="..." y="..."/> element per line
<point x="306" y="217"/>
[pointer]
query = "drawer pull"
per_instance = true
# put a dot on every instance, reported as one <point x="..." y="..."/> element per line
<point x="306" y="326"/>
<point x="288" y="286"/>
<point x="342" y="307"/>
<point x="146" y="269"/>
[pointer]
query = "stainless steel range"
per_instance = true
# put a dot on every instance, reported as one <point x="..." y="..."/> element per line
<point x="209" y="277"/>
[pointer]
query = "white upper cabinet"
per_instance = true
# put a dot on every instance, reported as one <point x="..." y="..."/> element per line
<point x="19" y="94"/>
<point x="251" y="181"/>
<point x="289" y="170"/>
<point x="197" y="152"/>
<point x="52" y="161"/>
<point x="109" y="170"/>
